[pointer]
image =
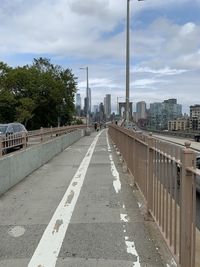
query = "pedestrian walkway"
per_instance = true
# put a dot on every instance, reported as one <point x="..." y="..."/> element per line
<point x="79" y="210"/>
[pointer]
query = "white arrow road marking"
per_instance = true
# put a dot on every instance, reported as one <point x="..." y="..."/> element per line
<point x="48" y="249"/>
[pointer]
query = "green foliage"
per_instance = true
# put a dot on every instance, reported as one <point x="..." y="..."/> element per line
<point x="37" y="95"/>
<point x="25" y="110"/>
<point x="7" y="106"/>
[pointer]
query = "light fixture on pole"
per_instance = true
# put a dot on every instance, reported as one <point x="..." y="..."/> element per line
<point x="87" y="96"/>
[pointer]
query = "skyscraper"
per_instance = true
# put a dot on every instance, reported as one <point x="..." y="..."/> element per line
<point x="78" y="100"/>
<point x="95" y="108"/>
<point x="78" y="104"/>
<point x="101" y="112"/>
<point x="107" y="105"/>
<point x="141" y="110"/>
<point x="161" y="113"/>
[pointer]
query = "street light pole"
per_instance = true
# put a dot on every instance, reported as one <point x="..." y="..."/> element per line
<point x="127" y="62"/>
<point x="87" y="113"/>
<point x="87" y="96"/>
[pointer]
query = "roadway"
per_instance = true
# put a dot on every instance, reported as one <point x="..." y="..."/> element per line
<point x="179" y="141"/>
<point x="79" y="210"/>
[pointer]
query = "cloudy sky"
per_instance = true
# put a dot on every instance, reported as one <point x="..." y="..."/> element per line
<point x="165" y="44"/>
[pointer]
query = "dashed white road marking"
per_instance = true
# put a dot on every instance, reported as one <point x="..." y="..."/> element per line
<point x="116" y="182"/>
<point x="124" y="217"/>
<point x="172" y="263"/>
<point x="131" y="250"/>
<point x="130" y="245"/>
<point x="48" y="249"/>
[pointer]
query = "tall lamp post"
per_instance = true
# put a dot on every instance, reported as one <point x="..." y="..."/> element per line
<point x="87" y="96"/>
<point x="128" y="60"/>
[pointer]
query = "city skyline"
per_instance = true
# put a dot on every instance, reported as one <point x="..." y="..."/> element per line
<point x="165" y="45"/>
<point x="114" y="107"/>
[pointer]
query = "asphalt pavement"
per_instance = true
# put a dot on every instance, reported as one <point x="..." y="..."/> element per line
<point x="79" y="209"/>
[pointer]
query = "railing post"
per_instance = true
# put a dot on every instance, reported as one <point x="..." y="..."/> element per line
<point x="51" y="132"/>
<point x="1" y="146"/>
<point x="24" y="143"/>
<point x="186" y="205"/>
<point x="41" y="134"/>
<point x="150" y="173"/>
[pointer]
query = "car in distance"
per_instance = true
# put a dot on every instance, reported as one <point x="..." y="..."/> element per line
<point x="12" y="131"/>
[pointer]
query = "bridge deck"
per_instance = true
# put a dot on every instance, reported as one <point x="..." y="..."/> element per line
<point x="82" y="209"/>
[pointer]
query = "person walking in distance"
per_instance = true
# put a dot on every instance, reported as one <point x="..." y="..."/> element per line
<point x="95" y="126"/>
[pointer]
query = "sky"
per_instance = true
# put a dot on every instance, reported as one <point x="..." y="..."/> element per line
<point x="165" y="45"/>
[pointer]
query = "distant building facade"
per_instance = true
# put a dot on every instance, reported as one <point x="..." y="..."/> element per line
<point x="161" y="113"/>
<point x="78" y="105"/>
<point x="195" y="117"/>
<point x="87" y="102"/>
<point x="179" y="124"/>
<point x="101" y="112"/>
<point x="107" y="106"/>
<point x="95" y="109"/>
<point x="171" y="111"/>
<point x="195" y="111"/>
<point x="155" y="115"/>
<point x="86" y="106"/>
<point x="140" y="110"/>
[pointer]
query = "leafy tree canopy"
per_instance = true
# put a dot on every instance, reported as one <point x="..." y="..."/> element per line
<point x="40" y="94"/>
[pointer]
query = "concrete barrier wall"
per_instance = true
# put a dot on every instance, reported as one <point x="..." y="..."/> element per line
<point x="15" y="167"/>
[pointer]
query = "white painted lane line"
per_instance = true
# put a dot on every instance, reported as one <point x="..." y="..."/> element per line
<point x="124" y="217"/>
<point x="130" y="245"/>
<point x="48" y="249"/>
<point x="116" y="182"/>
<point x="131" y="250"/>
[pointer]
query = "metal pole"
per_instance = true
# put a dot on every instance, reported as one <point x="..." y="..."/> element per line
<point x="87" y="93"/>
<point x="127" y="62"/>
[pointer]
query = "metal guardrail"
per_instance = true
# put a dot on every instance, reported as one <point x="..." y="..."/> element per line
<point x="52" y="132"/>
<point x="154" y="165"/>
<point x="21" y="140"/>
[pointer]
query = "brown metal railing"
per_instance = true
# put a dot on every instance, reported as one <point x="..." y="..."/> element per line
<point x="165" y="174"/>
<point x="11" y="141"/>
<point x="52" y="132"/>
<point x="21" y="140"/>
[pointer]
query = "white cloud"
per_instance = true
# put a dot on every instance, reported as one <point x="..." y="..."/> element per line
<point x="165" y="71"/>
<point x="165" y="53"/>
<point x="187" y="29"/>
<point x="146" y="82"/>
<point x="90" y="7"/>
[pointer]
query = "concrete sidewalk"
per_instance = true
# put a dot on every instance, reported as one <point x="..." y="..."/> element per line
<point x="108" y="226"/>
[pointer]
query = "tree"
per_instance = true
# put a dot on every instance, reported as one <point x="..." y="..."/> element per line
<point x="25" y="110"/>
<point x="7" y="106"/>
<point x="38" y="94"/>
